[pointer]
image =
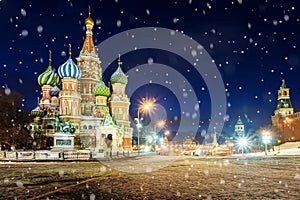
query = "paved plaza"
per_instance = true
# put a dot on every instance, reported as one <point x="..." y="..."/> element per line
<point x="154" y="177"/>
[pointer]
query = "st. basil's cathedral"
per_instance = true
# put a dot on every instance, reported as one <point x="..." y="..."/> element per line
<point x="78" y="94"/>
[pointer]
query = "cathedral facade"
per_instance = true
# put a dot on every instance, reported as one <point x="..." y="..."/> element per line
<point x="285" y="120"/>
<point x="79" y="94"/>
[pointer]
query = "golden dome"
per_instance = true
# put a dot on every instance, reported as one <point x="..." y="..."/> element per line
<point x="89" y="20"/>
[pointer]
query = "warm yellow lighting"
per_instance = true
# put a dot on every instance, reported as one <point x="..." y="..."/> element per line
<point x="266" y="133"/>
<point x="161" y="123"/>
<point x="147" y="105"/>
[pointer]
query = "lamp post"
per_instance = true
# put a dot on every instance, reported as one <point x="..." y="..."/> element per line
<point x="159" y="124"/>
<point x="144" y="106"/>
<point x="242" y="143"/>
<point x="266" y="139"/>
<point x="138" y="131"/>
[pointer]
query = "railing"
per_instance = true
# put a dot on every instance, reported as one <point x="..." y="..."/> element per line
<point x="60" y="155"/>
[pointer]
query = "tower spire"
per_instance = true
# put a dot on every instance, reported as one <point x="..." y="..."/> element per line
<point x="119" y="61"/>
<point x="283" y="84"/>
<point x="89" y="20"/>
<point x="70" y="50"/>
<point x="50" y="59"/>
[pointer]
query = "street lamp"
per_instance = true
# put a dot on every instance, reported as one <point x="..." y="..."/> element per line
<point x="160" y="124"/>
<point x="243" y="143"/>
<point x="266" y="139"/>
<point x="144" y="106"/>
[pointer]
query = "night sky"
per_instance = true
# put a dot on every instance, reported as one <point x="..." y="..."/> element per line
<point x="254" y="44"/>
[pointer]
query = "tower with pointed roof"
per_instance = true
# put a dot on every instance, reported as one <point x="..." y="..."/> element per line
<point x="239" y="128"/>
<point x="284" y="105"/>
<point x="119" y="103"/>
<point x="284" y="119"/>
<point x="89" y="64"/>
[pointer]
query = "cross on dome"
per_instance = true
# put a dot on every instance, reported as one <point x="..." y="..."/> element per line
<point x="70" y="50"/>
<point x="119" y="61"/>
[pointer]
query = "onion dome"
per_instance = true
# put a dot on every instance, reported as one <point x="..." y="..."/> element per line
<point x="37" y="112"/>
<point x="54" y="91"/>
<point x="89" y="20"/>
<point x="101" y="89"/>
<point x="119" y="76"/>
<point x="69" y="68"/>
<point x="48" y="77"/>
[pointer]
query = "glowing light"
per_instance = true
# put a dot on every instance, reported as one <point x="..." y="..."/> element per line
<point x="167" y="132"/>
<point x="147" y="149"/>
<point x="161" y="123"/>
<point x="243" y="143"/>
<point x="147" y="105"/>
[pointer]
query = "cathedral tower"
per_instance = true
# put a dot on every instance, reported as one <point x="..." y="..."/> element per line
<point x="119" y="105"/>
<point x="102" y="92"/>
<point x="284" y="105"/>
<point x="69" y="96"/>
<point x="239" y="128"/>
<point x="47" y="80"/>
<point x="89" y="64"/>
<point x="119" y="101"/>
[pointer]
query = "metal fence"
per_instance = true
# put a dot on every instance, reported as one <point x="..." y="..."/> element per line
<point x="60" y="155"/>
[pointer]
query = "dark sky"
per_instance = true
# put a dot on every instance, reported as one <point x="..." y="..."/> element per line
<point x="254" y="44"/>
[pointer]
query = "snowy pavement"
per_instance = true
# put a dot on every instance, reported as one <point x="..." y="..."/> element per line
<point x="257" y="177"/>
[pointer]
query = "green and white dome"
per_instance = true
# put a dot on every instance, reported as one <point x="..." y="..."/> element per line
<point x="101" y="89"/>
<point x="49" y="77"/>
<point x="119" y="76"/>
<point x="37" y="112"/>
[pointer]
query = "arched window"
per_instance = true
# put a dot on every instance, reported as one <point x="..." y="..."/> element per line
<point x="84" y="127"/>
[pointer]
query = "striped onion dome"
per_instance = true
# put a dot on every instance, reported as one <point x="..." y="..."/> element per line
<point x="69" y="69"/>
<point x="101" y="89"/>
<point x="37" y="112"/>
<point x="54" y="91"/>
<point x="48" y="77"/>
<point x="119" y="76"/>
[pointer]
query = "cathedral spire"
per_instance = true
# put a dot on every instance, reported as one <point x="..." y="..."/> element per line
<point x="89" y="20"/>
<point x="88" y="45"/>
<point x="70" y="50"/>
<point x="50" y="59"/>
<point x="119" y="61"/>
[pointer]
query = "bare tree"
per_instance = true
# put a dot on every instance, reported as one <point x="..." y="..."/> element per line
<point x="14" y="119"/>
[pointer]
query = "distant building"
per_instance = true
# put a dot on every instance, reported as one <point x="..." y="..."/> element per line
<point x="285" y="120"/>
<point x="79" y="94"/>
<point x="239" y="128"/>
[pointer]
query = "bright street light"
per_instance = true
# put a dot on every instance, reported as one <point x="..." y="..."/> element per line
<point x="145" y="106"/>
<point x="242" y="143"/>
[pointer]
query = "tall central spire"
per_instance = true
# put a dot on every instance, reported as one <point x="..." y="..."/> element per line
<point x="88" y="45"/>
<point x="89" y="20"/>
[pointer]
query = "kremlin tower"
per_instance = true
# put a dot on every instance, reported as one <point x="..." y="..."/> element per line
<point x="79" y="94"/>
<point x="285" y="120"/>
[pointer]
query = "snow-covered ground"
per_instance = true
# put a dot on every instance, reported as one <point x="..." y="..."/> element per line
<point x="286" y="149"/>
<point x="186" y="177"/>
